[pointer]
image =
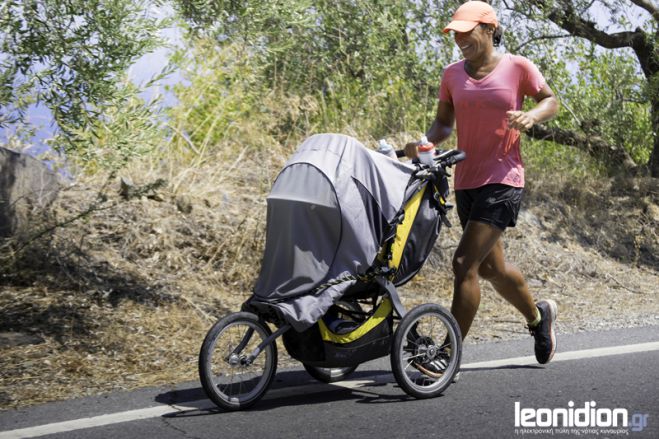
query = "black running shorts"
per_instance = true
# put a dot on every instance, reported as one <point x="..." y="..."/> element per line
<point x="495" y="204"/>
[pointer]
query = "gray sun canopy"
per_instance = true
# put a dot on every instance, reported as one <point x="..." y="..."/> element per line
<point x="327" y="214"/>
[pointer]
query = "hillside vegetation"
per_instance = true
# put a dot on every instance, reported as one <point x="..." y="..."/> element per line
<point x="123" y="298"/>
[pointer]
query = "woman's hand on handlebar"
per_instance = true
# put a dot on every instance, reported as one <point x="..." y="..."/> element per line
<point x="411" y="150"/>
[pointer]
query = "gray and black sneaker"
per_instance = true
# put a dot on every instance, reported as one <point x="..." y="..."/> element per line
<point x="435" y="369"/>
<point x="436" y="366"/>
<point x="544" y="333"/>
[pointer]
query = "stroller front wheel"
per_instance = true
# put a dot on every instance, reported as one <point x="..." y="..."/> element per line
<point x="426" y="351"/>
<point x="228" y="374"/>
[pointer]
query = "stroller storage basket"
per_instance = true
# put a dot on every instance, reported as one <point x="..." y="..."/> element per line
<point x="320" y="346"/>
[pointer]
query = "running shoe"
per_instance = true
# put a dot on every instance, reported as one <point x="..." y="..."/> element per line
<point x="544" y="332"/>
<point x="435" y="367"/>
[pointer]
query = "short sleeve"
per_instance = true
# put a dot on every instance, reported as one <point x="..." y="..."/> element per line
<point x="532" y="80"/>
<point x="444" y="89"/>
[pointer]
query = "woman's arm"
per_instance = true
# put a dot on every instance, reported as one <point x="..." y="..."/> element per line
<point x="546" y="108"/>
<point x="440" y="130"/>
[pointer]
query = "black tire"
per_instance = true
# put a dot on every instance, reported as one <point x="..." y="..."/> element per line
<point x="329" y="374"/>
<point x="227" y="379"/>
<point x="333" y="374"/>
<point x="424" y="334"/>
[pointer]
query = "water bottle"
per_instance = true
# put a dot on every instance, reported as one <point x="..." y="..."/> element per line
<point x="386" y="149"/>
<point x="426" y="151"/>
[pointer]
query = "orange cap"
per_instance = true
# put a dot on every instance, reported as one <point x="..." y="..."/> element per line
<point x="467" y="16"/>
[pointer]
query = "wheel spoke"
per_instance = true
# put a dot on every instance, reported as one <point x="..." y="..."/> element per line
<point x="415" y="356"/>
<point x="409" y="363"/>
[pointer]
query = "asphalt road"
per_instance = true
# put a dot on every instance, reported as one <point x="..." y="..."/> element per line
<point x="616" y="369"/>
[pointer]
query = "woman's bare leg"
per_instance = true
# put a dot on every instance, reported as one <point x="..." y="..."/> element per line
<point x="477" y="241"/>
<point x="508" y="281"/>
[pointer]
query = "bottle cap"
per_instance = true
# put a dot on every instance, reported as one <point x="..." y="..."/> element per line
<point x="425" y="147"/>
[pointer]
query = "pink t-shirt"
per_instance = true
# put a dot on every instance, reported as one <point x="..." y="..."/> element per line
<point x="480" y="105"/>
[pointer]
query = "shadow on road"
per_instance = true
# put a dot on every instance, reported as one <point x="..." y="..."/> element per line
<point x="292" y="389"/>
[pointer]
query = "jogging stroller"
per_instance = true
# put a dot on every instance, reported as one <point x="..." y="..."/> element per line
<point x="346" y="226"/>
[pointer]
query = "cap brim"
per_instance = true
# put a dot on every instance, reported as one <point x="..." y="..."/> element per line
<point x="460" y="26"/>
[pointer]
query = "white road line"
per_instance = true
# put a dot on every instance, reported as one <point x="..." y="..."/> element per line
<point x="162" y="410"/>
<point x="95" y="421"/>
<point x="565" y="356"/>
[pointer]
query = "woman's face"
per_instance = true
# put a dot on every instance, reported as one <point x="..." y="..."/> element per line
<point x="475" y="43"/>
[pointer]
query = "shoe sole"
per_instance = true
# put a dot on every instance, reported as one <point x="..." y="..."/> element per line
<point x="427" y="372"/>
<point x="435" y="375"/>
<point x="553" y="311"/>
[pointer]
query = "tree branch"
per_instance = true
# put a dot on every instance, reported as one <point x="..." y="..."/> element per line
<point x="648" y="6"/>
<point x="565" y="16"/>
<point x="541" y="37"/>
<point x="574" y="24"/>
<point x="593" y="145"/>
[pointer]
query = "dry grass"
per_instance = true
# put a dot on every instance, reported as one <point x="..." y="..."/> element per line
<point x="96" y="348"/>
<point x="124" y="297"/>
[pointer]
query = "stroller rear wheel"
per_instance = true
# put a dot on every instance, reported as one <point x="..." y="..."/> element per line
<point x="329" y="374"/>
<point x="228" y="374"/>
<point x="426" y="351"/>
<point x="334" y="374"/>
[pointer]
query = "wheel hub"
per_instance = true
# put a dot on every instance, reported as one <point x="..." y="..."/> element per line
<point x="234" y="360"/>
<point x="425" y="347"/>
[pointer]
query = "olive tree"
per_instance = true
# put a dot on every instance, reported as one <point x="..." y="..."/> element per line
<point x="615" y="44"/>
<point x="70" y="56"/>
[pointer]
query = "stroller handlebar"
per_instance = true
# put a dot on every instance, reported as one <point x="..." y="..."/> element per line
<point x="444" y="158"/>
<point x="451" y="157"/>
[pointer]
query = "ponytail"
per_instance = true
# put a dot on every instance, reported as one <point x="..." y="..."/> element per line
<point x="497" y="36"/>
